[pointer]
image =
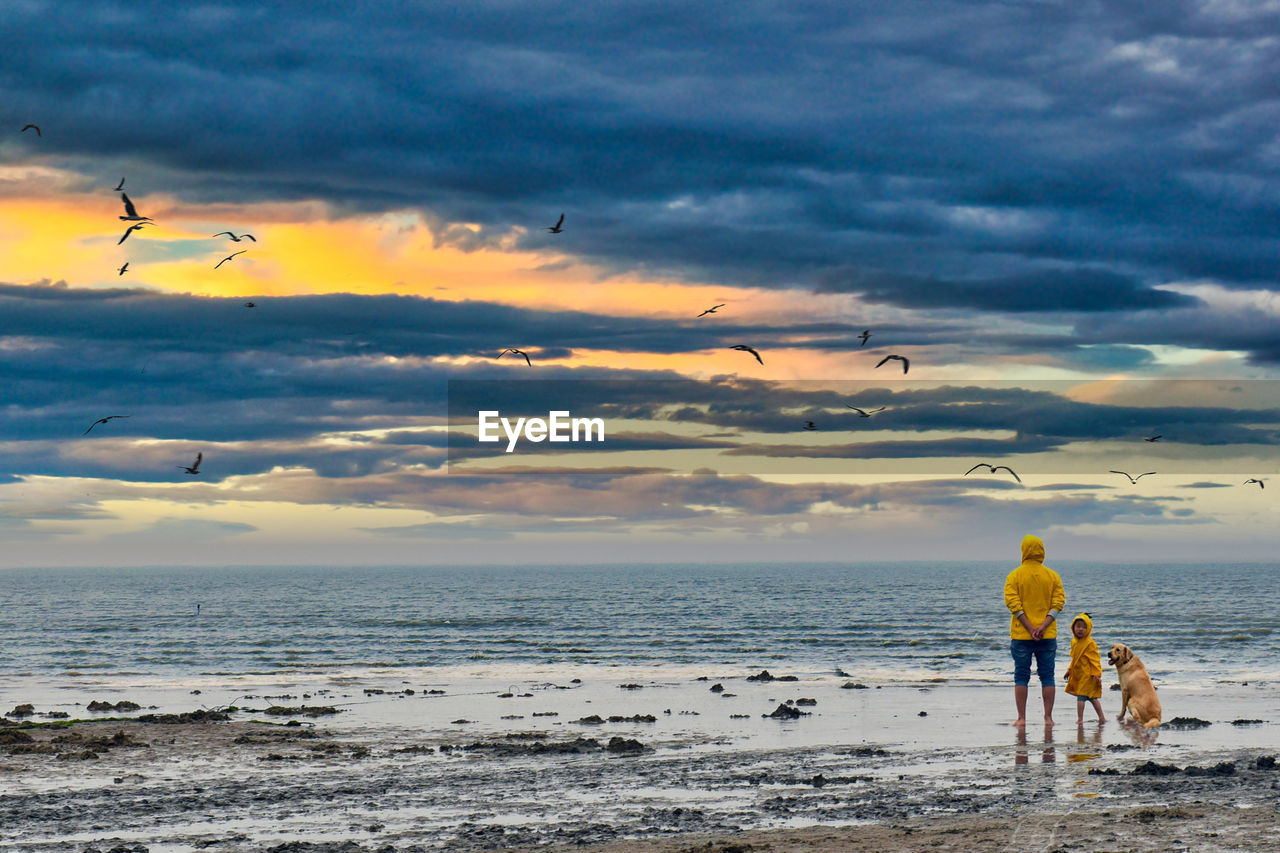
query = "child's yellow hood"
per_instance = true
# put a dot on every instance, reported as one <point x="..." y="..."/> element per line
<point x="1088" y="624"/>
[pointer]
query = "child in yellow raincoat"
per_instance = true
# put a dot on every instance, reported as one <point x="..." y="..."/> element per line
<point x="1084" y="675"/>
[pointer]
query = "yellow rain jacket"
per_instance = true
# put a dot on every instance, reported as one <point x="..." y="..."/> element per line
<point x="1086" y="663"/>
<point x="1035" y="589"/>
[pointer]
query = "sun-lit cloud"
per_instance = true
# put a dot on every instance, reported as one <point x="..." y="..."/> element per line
<point x="1099" y="213"/>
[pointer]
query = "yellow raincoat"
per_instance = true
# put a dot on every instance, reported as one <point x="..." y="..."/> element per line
<point x="1035" y="589"/>
<point x="1086" y="662"/>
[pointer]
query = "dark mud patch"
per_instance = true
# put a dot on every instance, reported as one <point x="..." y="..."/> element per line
<point x="301" y="711"/>
<point x="1187" y="723"/>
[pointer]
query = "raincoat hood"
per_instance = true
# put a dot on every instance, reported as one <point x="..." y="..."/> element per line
<point x="1088" y="624"/>
<point x="1032" y="549"/>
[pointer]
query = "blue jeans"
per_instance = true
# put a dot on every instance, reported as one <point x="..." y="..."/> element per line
<point x="1044" y="650"/>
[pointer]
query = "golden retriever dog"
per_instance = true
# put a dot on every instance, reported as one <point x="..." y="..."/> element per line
<point x="1137" y="693"/>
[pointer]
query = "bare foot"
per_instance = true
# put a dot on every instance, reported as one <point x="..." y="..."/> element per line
<point x="1102" y="719"/>
<point x="1020" y="722"/>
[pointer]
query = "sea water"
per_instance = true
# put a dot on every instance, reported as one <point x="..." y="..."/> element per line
<point x="1192" y="625"/>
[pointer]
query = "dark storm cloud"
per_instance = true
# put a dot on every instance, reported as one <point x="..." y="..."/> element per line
<point x="1048" y="290"/>
<point x="961" y="447"/>
<point x="1243" y="329"/>
<point x="958" y="148"/>
<point x="270" y="387"/>
<point x="1068" y="487"/>
<point x="353" y="325"/>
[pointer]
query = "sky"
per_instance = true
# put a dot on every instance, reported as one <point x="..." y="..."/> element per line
<point x="1064" y="215"/>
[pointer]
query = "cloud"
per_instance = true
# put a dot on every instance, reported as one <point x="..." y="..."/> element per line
<point x="1082" y="290"/>
<point x="677" y="138"/>
<point x="171" y="528"/>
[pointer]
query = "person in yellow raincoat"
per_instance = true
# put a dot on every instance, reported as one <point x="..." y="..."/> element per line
<point x="1084" y="675"/>
<point x="1034" y="595"/>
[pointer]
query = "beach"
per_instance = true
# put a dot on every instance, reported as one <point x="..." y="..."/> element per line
<point x="671" y="708"/>
<point x="627" y="759"/>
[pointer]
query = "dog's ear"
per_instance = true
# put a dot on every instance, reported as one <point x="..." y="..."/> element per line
<point x="1125" y="654"/>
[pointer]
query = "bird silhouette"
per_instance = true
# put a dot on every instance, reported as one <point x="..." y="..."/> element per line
<point x="229" y="257"/>
<point x="34" y="127"/>
<point x="809" y="425"/>
<point x="863" y="413"/>
<point x="745" y="348"/>
<point x="234" y="238"/>
<point x="1133" y="479"/>
<point x="131" y="212"/>
<point x="711" y="310"/>
<point x="250" y="305"/>
<point x="102" y="421"/>
<point x="516" y="352"/>
<point x="130" y="230"/>
<point x="126" y="264"/>
<point x="905" y="363"/>
<point x="195" y="467"/>
<point x="120" y="186"/>
<point x="866" y="333"/>
<point x="557" y="228"/>
<point x="1154" y="438"/>
<point x="1254" y="480"/>
<point x="993" y="469"/>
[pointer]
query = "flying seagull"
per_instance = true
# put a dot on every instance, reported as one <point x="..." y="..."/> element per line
<point x="234" y="238"/>
<point x="1253" y="480"/>
<point x="102" y="421"/>
<point x="130" y="230"/>
<point x="131" y="211"/>
<point x="863" y="413"/>
<point x="905" y="363"/>
<point x="34" y="127"/>
<point x="229" y="257"/>
<point x="993" y="469"/>
<point x="120" y="186"/>
<point x="711" y="310"/>
<point x="123" y="268"/>
<point x="557" y="228"/>
<point x="195" y="467"/>
<point x="866" y="333"/>
<point x="809" y="425"/>
<point x="745" y="348"/>
<point x="1132" y="479"/>
<point x="1154" y="438"/>
<point x="516" y="352"/>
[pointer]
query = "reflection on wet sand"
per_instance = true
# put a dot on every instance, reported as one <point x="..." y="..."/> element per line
<point x="1086" y="737"/>
<point x="1140" y="735"/>
<point x="1020" y="752"/>
<point x="1090" y="737"/>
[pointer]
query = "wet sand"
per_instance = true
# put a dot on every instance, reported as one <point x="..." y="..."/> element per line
<point x="1095" y="827"/>
<point x="243" y="786"/>
<point x="628" y="766"/>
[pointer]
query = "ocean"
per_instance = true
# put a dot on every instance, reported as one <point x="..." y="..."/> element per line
<point x="1193" y="625"/>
